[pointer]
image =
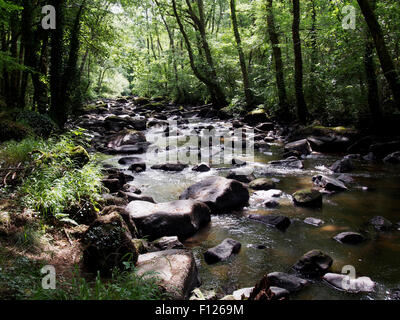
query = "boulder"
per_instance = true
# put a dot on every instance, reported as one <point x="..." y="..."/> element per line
<point x="175" y="270"/>
<point x="343" y="165"/>
<point x="218" y="193"/>
<point x="290" y="162"/>
<point x="393" y="158"/>
<point x="174" y="167"/>
<point x="128" y="160"/>
<point x="113" y="185"/>
<point x="346" y="283"/>
<point x="380" y="150"/>
<point x="127" y="141"/>
<point x="308" y="198"/>
<point x="301" y="146"/>
<point x="266" y="126"/>
<point x="286" y="281"/>
<point x="380" y="223"/>
<point x="329" y="143"/>
<point x="203" y="167"/>
<point x="262" y="184"/>
<point x="349" y="237"/>
<point x="329" y="184"/>
<point x="223" y="251"/>
<point x="255" y="117"/>
<point x="279" y="293"/>
<point x="108" y="243"/>
<point x="130" y="196"/>
<point x="278" y="221"/>
<point x="180" y="218"/>
<point x="167" y="243"/>
<point x="313" y="264"/>
<point x="270" y="203"/>
<point x="244" y="178"/>
<point x="137" y="167"/>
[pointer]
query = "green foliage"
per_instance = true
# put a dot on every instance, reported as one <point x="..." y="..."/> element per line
<point x="41" y="125"/>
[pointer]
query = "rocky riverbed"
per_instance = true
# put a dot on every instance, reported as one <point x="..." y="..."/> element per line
<point x="252" y="213"/>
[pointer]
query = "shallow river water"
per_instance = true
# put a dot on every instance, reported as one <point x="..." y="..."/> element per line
<point x="377" y="258"/>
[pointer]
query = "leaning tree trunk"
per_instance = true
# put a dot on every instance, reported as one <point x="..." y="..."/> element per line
<point x="386" y="61"/>
<point x="302" y="112"/>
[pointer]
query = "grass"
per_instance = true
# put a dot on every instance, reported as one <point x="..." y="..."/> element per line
<point x="54" y="181"/>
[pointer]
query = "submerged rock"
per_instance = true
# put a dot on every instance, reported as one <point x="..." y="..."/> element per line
<point x="349" y="237"/>
<point x="313" y="264"/>
<point x="346" y="283"/>
<point x="222" y="251"/>
<point x="175" y="167"/>
<point x="262" y="184"/>
<point x="218" y="193"/>
<point x="314" y="222"/>
<point x="286" y="281"/>
<point x="308" y="198"/>
<point x="278" y="221"/>
<point x="175" y="270"/>
<point x="380" y="223"/>
<point x="180" y="218"/>
<point x="291" y="162"/>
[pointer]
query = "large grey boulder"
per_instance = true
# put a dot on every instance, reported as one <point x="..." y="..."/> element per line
<point x="218" y="193"/>
<point x="342" y="166"/>
<point x="180" y="218"/>
<point x="175" y="270"/>
<point x="222" y="251"/>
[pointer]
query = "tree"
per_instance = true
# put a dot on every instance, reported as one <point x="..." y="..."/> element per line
<point x="302" y="111"/>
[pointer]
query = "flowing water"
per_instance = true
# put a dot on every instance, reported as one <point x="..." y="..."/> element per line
<point x="266" y="249"/>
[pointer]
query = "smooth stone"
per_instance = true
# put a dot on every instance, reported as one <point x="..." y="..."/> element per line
<point x="349" y="237"/>
<point x="262" y="184"/>
<point x="313" y="264"/>
<point x="278" y="221"/>
<point x="346" y="283"/>
<point x="286" y="281"/>
<point x="308" y="198"/>
<point x="201" y="168"/>
<point x="223" y="251"/>
<point x="314" y="222"/>
<point x="302" y="146"/>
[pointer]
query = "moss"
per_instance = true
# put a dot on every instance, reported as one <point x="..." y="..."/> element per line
<point x="256" y="112"/>
<point x="308" y="198"/>
<point x="79" y="156"/>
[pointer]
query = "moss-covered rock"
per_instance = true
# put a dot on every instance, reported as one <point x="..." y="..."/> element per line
<point x="154" y="106"/>
<point x="141" y="101"/>
<point x="108" y="243"/>
<point x="79" y="156"/>
<point x="308" y="198"/>
<point x="255" y="117"/>
<point x="262" y="184"/>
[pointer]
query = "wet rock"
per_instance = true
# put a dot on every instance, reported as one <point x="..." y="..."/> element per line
<point x="137" y="167"/>
<point x="331" y="143"/>
<point x="108" y="243"/>
<point x="244" y="178"/>
<point x="301" y="146"/>
<point x="349" y="237"/>
<point x="329" y="184"/>
<point x="270" y="203"/>
<point x="218" y="193"/>
<point x="203" y="167"/>
<point x="278" y="221"/>
<point x="113" y="185"/>
<point x="128" y="160"/>
<point x="255" y="117"/>
<point x="380" y="223"/>
<point x="131" y="189"/>
<point x="380" y="150"/>
<point x="308" y="198"/>
<point x="291" y="162"/>
<point x="223" y="251"/>
<point x="286" y="281"/>
<point x="238" y="163"/>
<point x="279" y="293"/>
<point x="167" y="243"/>
<point x="393" y="158"/>
<point x="129" y="196"/>
<point x="262" y="184"/>
<point x="346" y="283"/>
<point x="180" y="218"/>
<point x="345" y="178"/>
<point x="237" y="124"/>
<point x="176" y="271"/>
<point x="173" y="167"/>
<point x="343" y="165"/>
<point x="266" y="126"/>
<point x="314" y="222"/>
<point x="313" y="264"/>
<point x="127" y="141"/>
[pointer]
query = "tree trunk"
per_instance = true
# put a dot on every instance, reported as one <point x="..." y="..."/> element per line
<point x="302" y="112"/>
<point x="246" y="83"/>
<point x="277" y="54"/>
<point x="386" y="61"/>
